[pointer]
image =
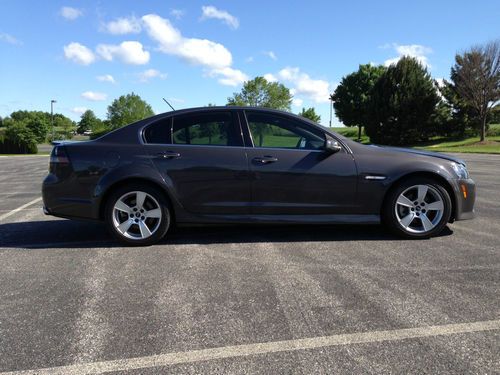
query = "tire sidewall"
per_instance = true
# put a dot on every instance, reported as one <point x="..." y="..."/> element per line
<point x="164" y="207"/>
<point x="389" y="212"/>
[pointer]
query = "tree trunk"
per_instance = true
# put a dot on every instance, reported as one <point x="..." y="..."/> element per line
<point x="483" y="128"/>
<point x="359" y="132"/>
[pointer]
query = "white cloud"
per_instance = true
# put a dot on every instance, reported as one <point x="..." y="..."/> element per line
<point x="106" y="78"/>
<point x="94" y="96"/>
<point x="314" y="89"/>
<point x="196" y="51"/>
<point x="441" y="82"/>
<point x="129" y="52"/>
<point x="177" y="13"/>
<point x="4" y="37"/>
<point x="203" y="52"/>
<point x="212" y="12"/>
<point x="70" y="13"/>
<point x="228" y="76"/>
<point x="417" y="51"/>
<point x="270" y="54"/>
<point x="78" y="110"/>
<point x="297" y="102"/>
<point x="270" y="77"/>
<point x="149" y="74"/>
<point x="79" y="54"/>
<point x="123" y="25"/>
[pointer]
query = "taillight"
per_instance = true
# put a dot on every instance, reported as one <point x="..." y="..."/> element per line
<point x="58" y="158"/>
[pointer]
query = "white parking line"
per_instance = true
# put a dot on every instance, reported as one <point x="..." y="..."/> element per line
<point x="261" y="348"/>
<point x="5" y="216"/>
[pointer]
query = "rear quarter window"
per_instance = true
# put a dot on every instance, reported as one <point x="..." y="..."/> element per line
<point x="159" y="132"/>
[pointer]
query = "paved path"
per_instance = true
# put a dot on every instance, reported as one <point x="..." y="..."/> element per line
<point x="338" y="299"/>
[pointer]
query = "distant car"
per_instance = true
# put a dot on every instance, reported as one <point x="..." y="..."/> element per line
<point x="87" y="132"/>
<point x="250" y="165"/>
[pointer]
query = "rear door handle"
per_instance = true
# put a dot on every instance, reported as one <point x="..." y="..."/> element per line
<point x="168" y="155"/>
<point x="265" y="159"/>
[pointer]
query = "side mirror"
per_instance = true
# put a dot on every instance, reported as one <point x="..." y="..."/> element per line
<point x="331" y="145"/>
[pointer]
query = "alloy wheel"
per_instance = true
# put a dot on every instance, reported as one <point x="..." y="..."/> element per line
<point x="419" y="209"/>
<point x="137" y="215"/>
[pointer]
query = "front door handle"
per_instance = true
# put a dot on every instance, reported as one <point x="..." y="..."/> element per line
<point x="265" y="159"/>
<point x="168" y="155"/>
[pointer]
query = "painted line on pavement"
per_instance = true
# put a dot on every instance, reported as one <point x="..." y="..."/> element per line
<point x="5" y="216"/>
<point x="167" y="359"/>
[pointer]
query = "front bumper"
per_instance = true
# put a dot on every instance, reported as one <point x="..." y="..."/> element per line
<point x="465" y="196"/>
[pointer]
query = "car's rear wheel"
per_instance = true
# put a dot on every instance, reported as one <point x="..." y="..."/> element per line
<point x="137" y="215"/>
<point x="417" y="208"/>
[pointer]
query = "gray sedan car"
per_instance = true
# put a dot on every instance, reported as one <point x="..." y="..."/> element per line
<point x="250" y="165"/>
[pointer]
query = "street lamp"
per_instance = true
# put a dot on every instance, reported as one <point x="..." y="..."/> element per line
<point x="52" y="116"/>
<point x="331" y="108"/>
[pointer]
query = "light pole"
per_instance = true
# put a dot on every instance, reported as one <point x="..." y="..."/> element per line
<point x="52" y="116"/>
<point x="331" y="107"/>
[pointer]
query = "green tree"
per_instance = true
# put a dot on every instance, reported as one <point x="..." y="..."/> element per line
<point x="310" y="113"/>
<point x="37" y="121"/>
<point x="128" y="109"/>
<point x="18" y="138"/>
<point x="458" y="117"/>
<point x="88" y="121"/>
<point x="260" y="93"/>
<point x="352" y="96"/>
<point x="64" y="127"/>
<point x="402" y="103"/>
<point x="476" y="79"/>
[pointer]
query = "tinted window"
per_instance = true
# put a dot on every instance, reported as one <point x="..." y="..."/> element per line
<point x="281" y="132"/>
<point x="159" y="132"/>
<point x="208" y="129"/>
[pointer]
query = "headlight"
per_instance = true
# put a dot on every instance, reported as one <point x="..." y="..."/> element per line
<point x="460" y="170"/>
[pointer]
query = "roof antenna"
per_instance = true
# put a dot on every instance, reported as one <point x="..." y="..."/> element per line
<point x="165" y="100"/>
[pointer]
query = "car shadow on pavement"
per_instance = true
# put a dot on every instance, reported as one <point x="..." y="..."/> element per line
<point x="81" y="234"/>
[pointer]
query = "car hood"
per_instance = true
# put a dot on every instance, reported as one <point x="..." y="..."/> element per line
<point x="421" y="152"/>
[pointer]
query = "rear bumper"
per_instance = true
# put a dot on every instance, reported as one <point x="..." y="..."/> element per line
<point x="59" y="200"/>
<point x="465" y="197"/>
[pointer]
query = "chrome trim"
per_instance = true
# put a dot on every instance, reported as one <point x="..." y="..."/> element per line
<point x="376" y="178"/>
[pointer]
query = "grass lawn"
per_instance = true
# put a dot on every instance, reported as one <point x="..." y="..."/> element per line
<point x="467" y="145"/>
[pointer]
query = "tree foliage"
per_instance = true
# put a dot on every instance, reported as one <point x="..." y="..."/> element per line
<point x="64" y="127"/>
<point x="476" y="79"/>
<point x="88" y="122"/>
<point x="310" y="113"/>
<point x="352" y="96"/>
<point x="402" y="104"/>
<point x="37" y="122"/>
<point x="128" y="109"/>
<point x="260" y="93"/>
<point x="18" y="138"/>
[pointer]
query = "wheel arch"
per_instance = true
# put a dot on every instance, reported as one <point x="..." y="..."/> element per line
<point x="433" y="176"/>
<point x="131" y="180"/>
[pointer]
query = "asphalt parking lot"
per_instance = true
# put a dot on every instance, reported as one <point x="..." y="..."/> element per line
<point x="337" y="299"/>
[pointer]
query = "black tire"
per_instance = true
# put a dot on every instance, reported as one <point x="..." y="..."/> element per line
<point x="390" y="211"/>
<point x="157" y="226"/>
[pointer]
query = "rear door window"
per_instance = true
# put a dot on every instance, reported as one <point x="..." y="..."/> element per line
<point x="207" y="129"/>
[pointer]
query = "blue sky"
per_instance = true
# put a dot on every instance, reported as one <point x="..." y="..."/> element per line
<point x="86" y="53"/>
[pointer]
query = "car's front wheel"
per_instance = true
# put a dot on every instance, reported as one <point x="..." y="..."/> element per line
<point x="137" y="215"/>
<point x="417" y="208"/>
